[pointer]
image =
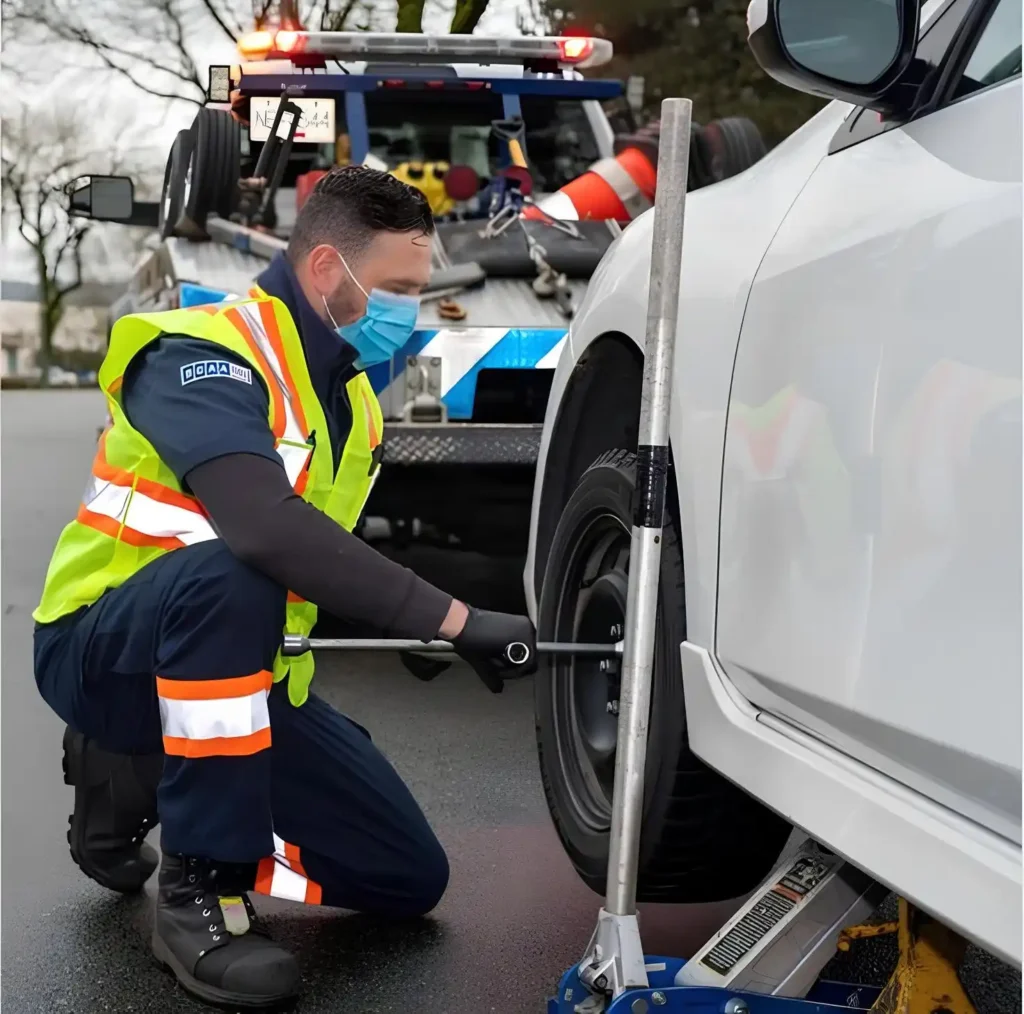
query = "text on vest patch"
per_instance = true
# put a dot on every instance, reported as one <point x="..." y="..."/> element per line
<point x="215" y="368"/>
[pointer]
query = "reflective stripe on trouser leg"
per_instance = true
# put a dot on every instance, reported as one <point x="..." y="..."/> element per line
<point x="214" y="799"/>
<point x="283" y="876"/>
<point x="215" y="718"/>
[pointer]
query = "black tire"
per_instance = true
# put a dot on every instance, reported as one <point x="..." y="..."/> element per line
<point x="214" y="169"/>
<point x="702" y="839"/>
<point x="734" y="144"/>
<point x="172" y="194"/>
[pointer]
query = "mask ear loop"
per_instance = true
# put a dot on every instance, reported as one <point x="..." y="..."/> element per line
<point x="344" y="264"/>
<point x="334" y="323"/>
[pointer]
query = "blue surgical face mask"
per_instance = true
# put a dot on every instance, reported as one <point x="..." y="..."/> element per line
<point x="383" y="330"/>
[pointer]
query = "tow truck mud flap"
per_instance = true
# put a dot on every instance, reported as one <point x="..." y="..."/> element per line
<point x="464" y="352"/>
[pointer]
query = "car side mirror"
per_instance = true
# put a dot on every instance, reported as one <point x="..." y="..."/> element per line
<point x="852" y="50"/>
<point x="102" y="198"/>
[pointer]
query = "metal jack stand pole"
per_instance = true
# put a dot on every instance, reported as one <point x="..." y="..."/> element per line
<point x="615" y="958"/>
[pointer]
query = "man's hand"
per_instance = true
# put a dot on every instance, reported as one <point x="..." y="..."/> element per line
<point x="482" y="641"/>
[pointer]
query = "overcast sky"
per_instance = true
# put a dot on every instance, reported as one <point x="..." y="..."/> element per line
<point x="159" y="121"/>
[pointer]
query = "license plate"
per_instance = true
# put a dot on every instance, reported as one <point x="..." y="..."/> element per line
<point x="316" y="124"/>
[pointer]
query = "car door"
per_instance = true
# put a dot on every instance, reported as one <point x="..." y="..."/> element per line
<point x="870" y="556"/>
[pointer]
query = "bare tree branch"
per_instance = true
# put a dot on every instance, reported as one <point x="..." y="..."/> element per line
<point x="410" y="16"/>
<point x="42" y="152"/>
<point x="221" y="20"/>
<point x="467" y="16"/>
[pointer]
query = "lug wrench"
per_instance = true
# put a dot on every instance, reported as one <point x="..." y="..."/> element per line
<point x="516" y="653"/>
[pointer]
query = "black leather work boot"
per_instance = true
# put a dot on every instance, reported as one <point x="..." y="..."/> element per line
<point x="207" y="933"/>
<point x="115" y="807"/>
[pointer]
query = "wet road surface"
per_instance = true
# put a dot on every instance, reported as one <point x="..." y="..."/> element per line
<point x="515" y="915"/>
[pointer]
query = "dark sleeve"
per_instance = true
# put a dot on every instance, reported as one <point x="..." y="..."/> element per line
<point x="275" y="531"/>
<point x="195" y="401"/>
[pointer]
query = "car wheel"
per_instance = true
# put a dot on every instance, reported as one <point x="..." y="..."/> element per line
<point x="702" y="839"/>
<point x="733" y="144"/>
<point x="213" y="170"/>
<point x="176" y="182"/>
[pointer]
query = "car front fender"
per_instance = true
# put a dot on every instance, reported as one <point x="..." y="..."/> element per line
<point x="728" y="228"/>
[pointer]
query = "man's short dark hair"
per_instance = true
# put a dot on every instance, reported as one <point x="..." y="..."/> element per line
<point x="350" y="205"/>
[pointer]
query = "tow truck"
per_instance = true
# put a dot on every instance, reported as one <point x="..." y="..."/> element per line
<point x="493" y="144"/>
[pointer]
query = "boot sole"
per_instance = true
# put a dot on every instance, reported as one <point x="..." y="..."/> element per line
<point x="211" y="994"/>
<point x="75" y="775"/>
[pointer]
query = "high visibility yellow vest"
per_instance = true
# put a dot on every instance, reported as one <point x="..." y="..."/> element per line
<point x="134" y="510"/>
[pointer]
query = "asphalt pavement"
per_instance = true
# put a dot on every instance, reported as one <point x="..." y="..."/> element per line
<point x="515" y="915"/>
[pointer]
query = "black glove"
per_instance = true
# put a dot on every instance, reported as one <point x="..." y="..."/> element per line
<point x="484" y="639"/>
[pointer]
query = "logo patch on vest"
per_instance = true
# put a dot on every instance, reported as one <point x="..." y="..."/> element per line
<point x="215" y="368"/>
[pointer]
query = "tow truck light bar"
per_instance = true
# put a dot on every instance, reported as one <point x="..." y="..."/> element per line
<point x="570" y="50"/>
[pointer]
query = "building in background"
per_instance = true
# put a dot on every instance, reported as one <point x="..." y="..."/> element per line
<point x="81" y="335"/>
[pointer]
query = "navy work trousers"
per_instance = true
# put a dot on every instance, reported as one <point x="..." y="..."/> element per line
<point x="178" y="659"/>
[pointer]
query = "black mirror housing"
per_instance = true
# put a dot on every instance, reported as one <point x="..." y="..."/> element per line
<point x="837" y="49"/>
<point x="102" y="198"/>
<point x="110" y="199"/>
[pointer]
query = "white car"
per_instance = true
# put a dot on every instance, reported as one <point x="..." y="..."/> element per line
<point x="839" y="641"/>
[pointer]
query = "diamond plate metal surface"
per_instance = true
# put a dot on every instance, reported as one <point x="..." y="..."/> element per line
<point x="461" y="444"/>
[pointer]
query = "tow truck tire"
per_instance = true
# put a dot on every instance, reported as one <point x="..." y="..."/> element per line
<point x="215" y="168"/>
<point x="702" y="839"/>
<point x="172" y="195"/>
<point x="734" y="144"/>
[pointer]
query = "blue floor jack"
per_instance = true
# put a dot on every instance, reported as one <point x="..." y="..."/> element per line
<point x="768" y="957"/>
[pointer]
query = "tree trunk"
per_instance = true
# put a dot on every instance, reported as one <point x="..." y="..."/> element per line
<point x="410" y="15"/>
<point x="288" y="12"/>
<point x="467" y="15"/>
<point x="44" y="356"/>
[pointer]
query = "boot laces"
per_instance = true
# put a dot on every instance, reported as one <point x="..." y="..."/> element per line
<point x="142" y="831"/>
<point x="203" y="878"/>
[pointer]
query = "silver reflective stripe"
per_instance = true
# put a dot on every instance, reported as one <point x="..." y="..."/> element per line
<point x="294" y="458"/>
<point x="625" y="187"/>
<point x="292" y="432"/>
<point x="559" y="206"/>
<point x="150" y="517"/>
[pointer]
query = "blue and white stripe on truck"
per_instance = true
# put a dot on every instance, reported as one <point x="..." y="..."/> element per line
<point x="463" y="351"/>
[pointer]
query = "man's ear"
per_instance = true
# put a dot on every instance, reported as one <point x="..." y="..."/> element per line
<point x="323" y="266"/>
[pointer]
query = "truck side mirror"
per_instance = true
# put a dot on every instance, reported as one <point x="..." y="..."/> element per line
<point x="852" y="51"/>
<point x="102" y="198"/>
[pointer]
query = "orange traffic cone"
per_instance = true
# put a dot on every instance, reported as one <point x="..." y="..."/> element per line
<point x="618" y="188"/>
<point x="304" y="185"/>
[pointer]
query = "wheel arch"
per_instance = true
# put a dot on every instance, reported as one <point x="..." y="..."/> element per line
<point x="599" y="411"/>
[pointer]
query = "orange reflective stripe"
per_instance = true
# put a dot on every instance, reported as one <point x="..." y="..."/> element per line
<point x="292" y="597"/>
<point x="218" y="746"/>
<point x="213" y="690"/>
<point x="115" y="385"/>
<point x="102" y="469"/>
<point x="371" y="426"/>
<point x="269" y="319"/>
<point x="276" y="398"/>
<point x="300" y="486"/>
<point x="282" y="875"/>
<point x="116" y="530"/>
<point x="294" y="857"/>
<point x="265" y="875"/>
<point x="204" y="308"/>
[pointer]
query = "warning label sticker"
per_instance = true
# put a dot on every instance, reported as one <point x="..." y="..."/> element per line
<point x="766" y="913"/>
